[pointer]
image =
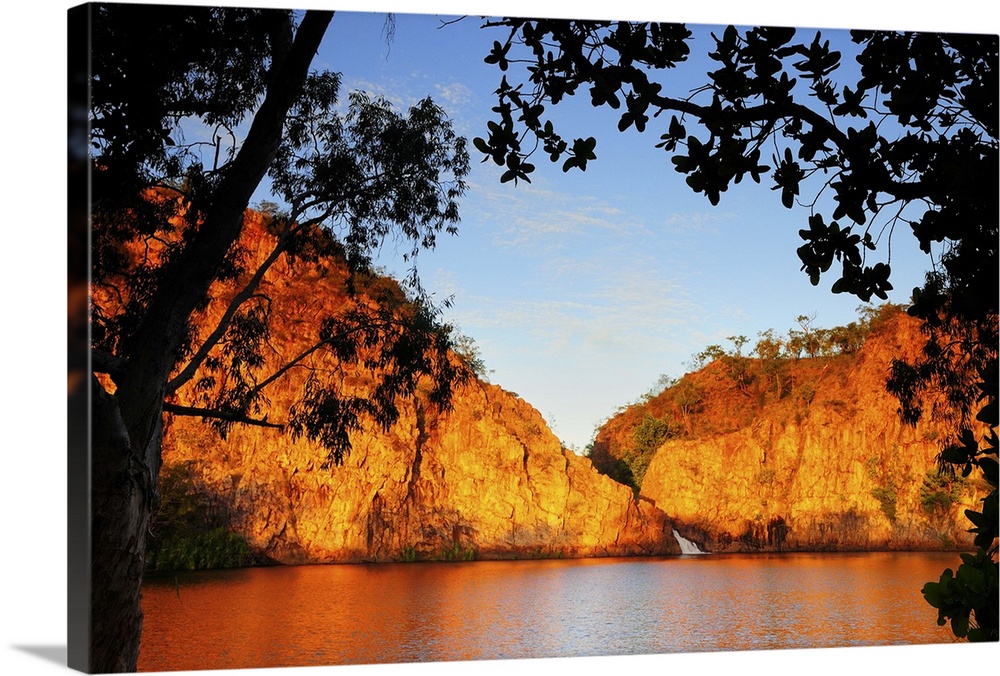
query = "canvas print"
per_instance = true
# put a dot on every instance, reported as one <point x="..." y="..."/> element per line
<point x="411" y="338"/>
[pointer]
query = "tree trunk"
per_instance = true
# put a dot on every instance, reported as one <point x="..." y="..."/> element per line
<point x="127" y="425"/>
<point x="122" y="492"/>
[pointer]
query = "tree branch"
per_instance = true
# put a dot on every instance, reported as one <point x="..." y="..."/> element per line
<point x="229" y="416"/>
<point x="152" y="348"/>
<point x="102" y="362"/>
<point x="308" y="351"/>
<point x="220" y="330"/>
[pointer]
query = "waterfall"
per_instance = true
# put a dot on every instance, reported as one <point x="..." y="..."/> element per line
<point x="687" y="547"/>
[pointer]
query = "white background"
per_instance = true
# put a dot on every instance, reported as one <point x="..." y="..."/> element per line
<point x="32" y="308"/>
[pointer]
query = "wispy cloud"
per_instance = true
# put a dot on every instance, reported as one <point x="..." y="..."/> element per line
<point x="454" y="96"/>
<point x="544" y="221"/>
<point x="697" y="224"/>
<point x="397" y="92"/>
<point x="536" y="217"/>
<point x="618" y="309"/>
<point x="580" y="350"/>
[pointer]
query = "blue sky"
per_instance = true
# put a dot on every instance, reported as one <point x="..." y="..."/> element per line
<point x="581" y="288"/>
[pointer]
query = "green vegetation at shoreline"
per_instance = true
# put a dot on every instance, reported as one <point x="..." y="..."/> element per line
<point x="187" y="534"/>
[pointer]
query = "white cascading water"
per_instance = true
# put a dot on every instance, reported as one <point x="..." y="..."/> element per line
<point x="687" y="547"/>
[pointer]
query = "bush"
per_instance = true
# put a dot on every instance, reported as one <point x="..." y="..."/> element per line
<point x="187" y="550"/>
<point x="458" y="553"/>
<point x="886" y="496"/>
<point x="648" y="436"/>
<point x="807" y="392"/>
<point x="939" y="491"/>
<point x="186" y="534"/>
<point x="468" y="352"/>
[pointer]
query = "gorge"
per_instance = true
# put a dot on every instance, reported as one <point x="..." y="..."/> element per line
<point x="819" y="461"/>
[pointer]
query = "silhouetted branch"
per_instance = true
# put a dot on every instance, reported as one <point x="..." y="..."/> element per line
<point x="102" y="362"/>
<point x="245" y="294"/>
<point x="230" y="416"/>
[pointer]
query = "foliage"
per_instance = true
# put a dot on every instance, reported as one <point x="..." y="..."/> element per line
<point x="886" y="496"/>
<point x="806" y="393"/>
<point x="545" y="553"/>
<point x="650" y="433"/>
<point x="735" y="364"/>
<point x="917" y="128"/>
<point x="663" y="382"/>
<point x="648" y="436"/>
<point x="628" y="465"/>
<point x="910" y="142"/>
<point x="766" y="371"/>
<point x="145" y="81"/>
<point x="881" y="471"/>
<point x="216" y="548"/>
<point x="348" y="177"/>
<point x="689" y="399"/>
<point x="458" y="553"/>
<point x="618" y="469"/>
<point x="967" y="597"/>
<point x="468" y="351"/>
<point x="808" y="341"/>
<point x="186" y="535"/>
<point x="959" y="360"/>
<point x="940" y="490"/>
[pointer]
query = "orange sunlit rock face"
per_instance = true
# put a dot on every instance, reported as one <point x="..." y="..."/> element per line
<point x="827" y="465"/>
<point x="487" y="478"/>
<point x="835" y="471"/>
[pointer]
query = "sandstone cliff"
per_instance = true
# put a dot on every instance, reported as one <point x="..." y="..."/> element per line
<point x="825" y="465"/>
<point x="486" y="479"/>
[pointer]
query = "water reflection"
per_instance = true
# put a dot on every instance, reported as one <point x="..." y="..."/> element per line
<point x="344" y="614"/>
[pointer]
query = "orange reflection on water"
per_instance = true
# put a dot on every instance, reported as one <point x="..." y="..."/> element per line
<point x="349" y="614"/>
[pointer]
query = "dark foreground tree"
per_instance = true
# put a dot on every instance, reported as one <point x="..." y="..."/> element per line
<point x="189" y="109"/>
<point x="909" y="144"/>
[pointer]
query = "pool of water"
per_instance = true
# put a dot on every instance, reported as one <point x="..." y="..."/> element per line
<point x="384" y="613"/>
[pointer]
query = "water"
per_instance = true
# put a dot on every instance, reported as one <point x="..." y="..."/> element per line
<point x="687" y="547"/>
<point x="378" y="613"/>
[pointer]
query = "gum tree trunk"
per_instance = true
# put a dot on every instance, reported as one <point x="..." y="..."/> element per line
<point x="122" y="490"/>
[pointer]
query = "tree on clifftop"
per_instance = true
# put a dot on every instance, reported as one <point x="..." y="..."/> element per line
<point x="910" y="144"/>
<point x="189" y="109"/>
